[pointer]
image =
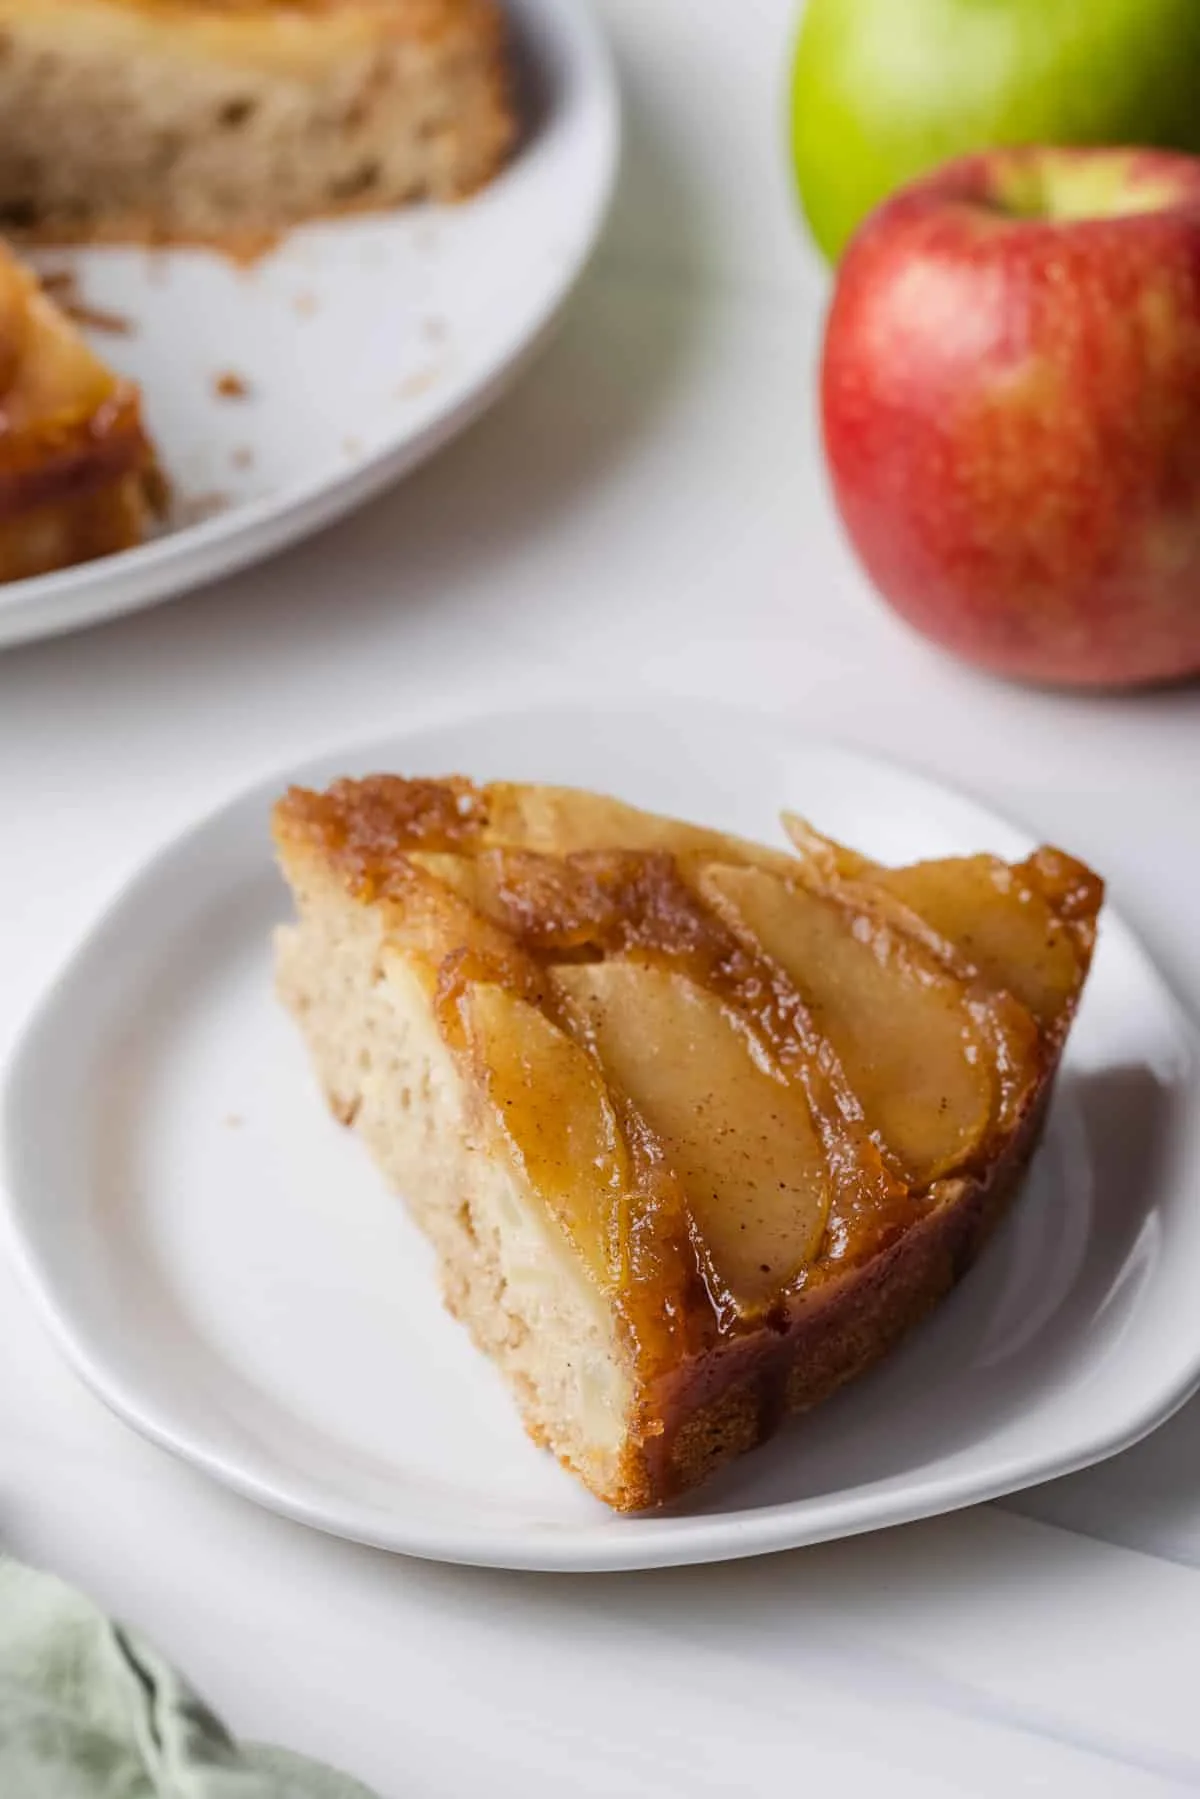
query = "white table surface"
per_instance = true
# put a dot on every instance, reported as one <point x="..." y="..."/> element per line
<point x="646" y="511"/>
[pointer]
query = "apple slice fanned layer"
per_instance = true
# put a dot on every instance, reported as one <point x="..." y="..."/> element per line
<point x="939" y="1065"/>
<point x="705" y="1049"/>
<point x="758" y="1098"/>
<point x="1027" y="928"/>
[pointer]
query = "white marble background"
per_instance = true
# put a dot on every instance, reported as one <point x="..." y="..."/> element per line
<point x="664" y="525"/>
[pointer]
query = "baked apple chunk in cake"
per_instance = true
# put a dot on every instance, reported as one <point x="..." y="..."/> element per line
<point x="78" y="477"/>
<point x="698" y="1129"/>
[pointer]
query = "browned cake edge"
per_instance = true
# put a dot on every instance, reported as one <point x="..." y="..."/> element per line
<point x="738" y="1396"/>
<point x="78" y="488"/>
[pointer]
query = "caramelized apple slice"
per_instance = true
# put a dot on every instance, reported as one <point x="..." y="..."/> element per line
<point x="561" y="821"/>
<point x="831" y="860"/>
<point x="1002" y="926"/>
<point x="435" y="924"/>
<point x="1027" y="929"/>
<point x="550" y="1105"/>
<point x="737" y="1135"/>
<point x="461" y="874"/>
<point x="550" y="904"/>
<point x="902" y="1027"/>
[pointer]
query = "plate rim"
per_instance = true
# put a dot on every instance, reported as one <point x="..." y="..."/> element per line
<point x="611" y="1543"/>
<point x="39" y="607"/>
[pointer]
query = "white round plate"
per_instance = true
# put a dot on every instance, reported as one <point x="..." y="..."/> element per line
<point x="363" y="344"/>
<point x="222" y="1264"/>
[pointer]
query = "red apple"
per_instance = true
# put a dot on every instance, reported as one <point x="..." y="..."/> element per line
<point x="1011" y="407"/>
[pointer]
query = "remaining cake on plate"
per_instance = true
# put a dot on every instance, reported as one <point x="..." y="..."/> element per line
<point x="234" y="119"/>
<point x="224" y="121"/>
<point x="78" y="476"/>
<point x="698" y="1129"/>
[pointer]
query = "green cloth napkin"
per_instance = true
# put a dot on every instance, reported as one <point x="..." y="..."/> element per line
<point x="90" y="1711"/>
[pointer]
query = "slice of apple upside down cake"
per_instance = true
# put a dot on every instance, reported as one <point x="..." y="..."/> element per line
<point x="698" y="1129"/>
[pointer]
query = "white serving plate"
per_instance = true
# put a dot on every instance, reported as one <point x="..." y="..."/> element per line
<point x="223" y="1266"/>
<point x="365" y="344"/>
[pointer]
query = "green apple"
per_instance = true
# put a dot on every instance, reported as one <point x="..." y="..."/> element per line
<point x="886" y="89"/>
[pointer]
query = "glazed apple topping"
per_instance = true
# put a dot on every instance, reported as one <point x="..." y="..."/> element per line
<point x="715" y="1064"/>
<point x="552" y="1106"/>
<point x="735" y="1131"/>
<point x="909" y="1041"/>
<point x="1026" y="928"/>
